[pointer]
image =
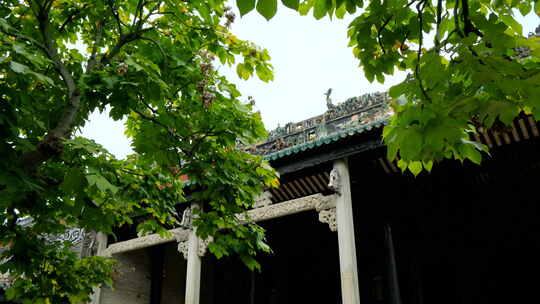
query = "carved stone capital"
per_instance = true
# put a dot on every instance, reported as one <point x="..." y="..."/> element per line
<point x="329" y="217"/>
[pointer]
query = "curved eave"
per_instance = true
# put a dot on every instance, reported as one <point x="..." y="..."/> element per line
<point x="334" y="137"/>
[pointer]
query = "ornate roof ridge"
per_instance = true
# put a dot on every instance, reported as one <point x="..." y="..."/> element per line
<point x="353" y="115"/>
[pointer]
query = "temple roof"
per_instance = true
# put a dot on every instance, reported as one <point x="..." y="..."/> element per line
<point x="353" y="116"/>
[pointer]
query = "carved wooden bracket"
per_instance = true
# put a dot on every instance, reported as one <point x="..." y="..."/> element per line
<point x="183" y="247"/>
<point x="327" y="212"/>
<point x="329" y="216"/>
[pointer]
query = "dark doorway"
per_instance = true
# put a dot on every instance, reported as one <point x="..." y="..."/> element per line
<point x="462" y="234"/>
<point x="304" y="267"/>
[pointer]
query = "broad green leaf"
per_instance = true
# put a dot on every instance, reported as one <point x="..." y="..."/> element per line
<point x="525" y="7"/>
<point x="428" y="165"/>
<point x="291" y="4"/>
<point x="267" y="8"/>
<point x="415" y="167"/>
<point x="101" y="183"/>
<point x="320" y="9"/>
<point x="245" y="6"/>
<point x="23" y="69"/>
<point x="402" y="165"/>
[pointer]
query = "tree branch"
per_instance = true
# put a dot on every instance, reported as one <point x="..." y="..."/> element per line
<point x="124" y="39"/>
<point x="468" y="26"/>
<point x="72" y="16"/>
<point x="420" y="8"/>
<point x="114" y="12"/>
<point x="92" y="61"/>
<point x="379" y="31"/>
<point x="439" y="19"/>
<point x="19" y="36"/>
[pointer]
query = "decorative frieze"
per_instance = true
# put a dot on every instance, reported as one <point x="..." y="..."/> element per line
<point x="178" y="234"/>
<point x="73" y="235"/>
<point x="316" y="202"/>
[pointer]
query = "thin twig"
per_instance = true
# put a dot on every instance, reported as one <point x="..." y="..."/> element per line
<point x="379" y="31"/>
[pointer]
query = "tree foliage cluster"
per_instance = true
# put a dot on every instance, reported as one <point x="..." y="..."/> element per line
<point x="470" y="67"/>
<point x="150" y="62"/>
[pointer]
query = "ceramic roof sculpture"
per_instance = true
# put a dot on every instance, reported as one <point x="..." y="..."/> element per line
<point x="353" y="116"/>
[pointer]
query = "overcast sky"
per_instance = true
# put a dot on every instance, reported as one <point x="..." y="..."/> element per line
<point x="309" y="56"/>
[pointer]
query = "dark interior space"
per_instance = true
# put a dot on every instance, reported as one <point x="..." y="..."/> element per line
<point x="304" y="266"/>
<point x="462" y="234"/>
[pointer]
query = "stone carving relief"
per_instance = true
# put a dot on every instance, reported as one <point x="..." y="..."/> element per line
<point x="328" y="216"/>
<point x="285" y="208"/>
<point x="316" y="202"/>
<point x="335" y="182"/>
<point x="73" y="235"/>
<point x="327" y="211"/>
<point x="183" y="247"/>
<point x="203" y="245"/>
<point x="187" y="218"/>
<point x="178" y="234"/>
<point x="89" y="244"/>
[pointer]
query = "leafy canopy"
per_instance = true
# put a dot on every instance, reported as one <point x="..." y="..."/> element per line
<point x="469" y="64"/>
<point x="150" y="62"/>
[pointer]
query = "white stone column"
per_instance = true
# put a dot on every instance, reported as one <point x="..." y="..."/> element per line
<point x="193" y="273"/>
<point x="101" y="240"/>
<point x="350" y="293"/>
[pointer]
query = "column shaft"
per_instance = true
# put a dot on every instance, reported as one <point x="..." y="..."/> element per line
<point x="345" y="226"/>
<point x="193" y="276"/>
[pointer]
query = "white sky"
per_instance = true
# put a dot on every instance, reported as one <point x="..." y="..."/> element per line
<point x="309" y="56"/>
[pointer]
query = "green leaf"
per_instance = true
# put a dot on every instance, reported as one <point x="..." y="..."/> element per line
<point x="320" y="9"/>
<point x="264" y="73"/>
<point x="428" y="165"/>
<point x="243" y="71"/>
<point x="291" y="4"/>
<point x="402" y="165"/>
<point x="267" y="8"/>
<point x="245" y="6"/>
<point x="524" y="7"/>
<point x="101" y="183"/>
<point x="19" y="68"/>
<point x="74" y="180"/>
<point x="23" y="69"/>
<point x="415" y="167"/>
